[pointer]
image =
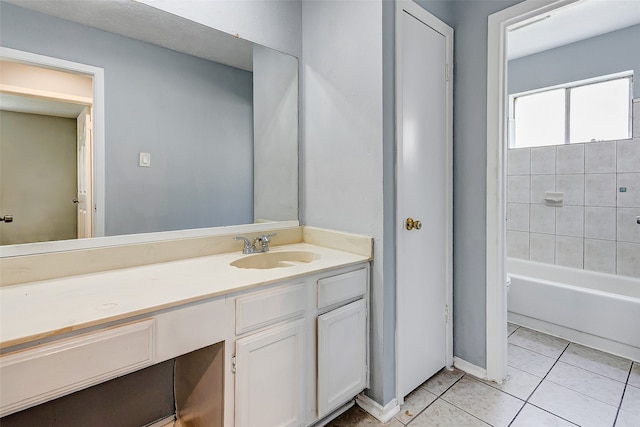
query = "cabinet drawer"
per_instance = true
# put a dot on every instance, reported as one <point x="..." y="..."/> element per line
<point x="36" y="375"/>
<point x="332" y="290"/>
<point x="267" y="307"/>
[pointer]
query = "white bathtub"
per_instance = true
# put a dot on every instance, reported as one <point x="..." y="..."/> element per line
<point x="595" y="309"/>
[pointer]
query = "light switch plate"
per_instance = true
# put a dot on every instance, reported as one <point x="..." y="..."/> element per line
<point x="145" y="160"/>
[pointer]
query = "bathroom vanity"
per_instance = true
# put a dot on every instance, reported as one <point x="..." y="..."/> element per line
<point x="292" y="335"/>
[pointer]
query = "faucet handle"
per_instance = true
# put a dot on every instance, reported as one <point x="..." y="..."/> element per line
<point x="248" y="247"/>
<point x="264" y="240"/>
<point x="265" y="237"/>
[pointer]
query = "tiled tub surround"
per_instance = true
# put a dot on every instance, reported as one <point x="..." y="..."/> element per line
<point x="551" y="382"/>
<point x="595" y="227"/>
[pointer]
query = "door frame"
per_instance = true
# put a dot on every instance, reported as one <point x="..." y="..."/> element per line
<point x="433" y="22"/>
<point x="496" y="244"/>
<point x="97" y="116"/>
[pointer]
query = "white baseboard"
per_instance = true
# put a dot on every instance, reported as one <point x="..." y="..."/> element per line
<point x="469" y="368"/>
<point x="382" y="414"/>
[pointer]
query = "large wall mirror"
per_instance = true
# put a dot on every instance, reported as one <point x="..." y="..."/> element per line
<point x="199" y="128"/>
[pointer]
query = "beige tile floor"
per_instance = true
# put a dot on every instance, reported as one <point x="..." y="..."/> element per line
<point x="551" y="382"/>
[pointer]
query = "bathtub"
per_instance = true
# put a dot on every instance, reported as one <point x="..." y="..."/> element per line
<point x="594" y="309"/>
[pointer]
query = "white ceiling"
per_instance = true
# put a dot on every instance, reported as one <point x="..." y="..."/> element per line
<point x="577" y="21"/>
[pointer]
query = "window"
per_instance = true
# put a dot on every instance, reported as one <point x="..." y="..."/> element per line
<point x="578" y="112"/>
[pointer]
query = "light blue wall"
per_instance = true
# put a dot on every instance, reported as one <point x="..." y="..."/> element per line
<point x="469" y="177"/>
<point x="342" y="147"/>
<point x="606" y="54"/>
<point x="194" y="116"/>
<point x="441" y="9"/>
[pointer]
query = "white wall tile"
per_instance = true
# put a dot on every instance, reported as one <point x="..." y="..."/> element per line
<point x="570" y="221"/>
<point x="570" y="158"/>
<point x="518" y="244"/>
<point x="573" y="188"/>
<point x="628" y="155"/>
<point x="540" y="184"/>
<point x="519" y="161"/>
<point x="600" y="223"/>
<point x="628" y="259"/>
<point x="600" y="189"/>
<point x="600" y="255"/>
<point x="596" y="223"/>
<point x="569" y="251"/>
<point x="518" y="188"/>
<point x="630" y="198"/>
<point x="518" y="216"/>
<point x="600" y="157"/>
<point x="542" y="219"/>
<point x="628" y="228"/>
<point x="542" y="247"/>
<point x="543" y="160"/>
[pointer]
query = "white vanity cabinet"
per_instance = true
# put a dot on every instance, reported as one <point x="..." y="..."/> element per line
<point x="269" y="363"/>
<point x="291" y="351"/>
<point x="270" y="377"/>
<point x="301" y="349"/>
<point x="342" y="339"/>
<point x="42" y="373"/>
<point x="342" y="355"/>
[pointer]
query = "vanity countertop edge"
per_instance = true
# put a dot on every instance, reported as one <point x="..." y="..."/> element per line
<point x="37" y="310"/>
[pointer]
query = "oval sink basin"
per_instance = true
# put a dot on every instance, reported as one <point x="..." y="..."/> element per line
<point x="275" y="259"/>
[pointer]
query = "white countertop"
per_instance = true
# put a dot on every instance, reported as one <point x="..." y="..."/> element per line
<point x="36" y="310"/>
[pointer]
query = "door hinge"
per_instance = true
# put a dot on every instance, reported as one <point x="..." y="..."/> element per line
<point x="446" y="313"/>
<point x="447" y="72"/>
<point x="233" y="363"/>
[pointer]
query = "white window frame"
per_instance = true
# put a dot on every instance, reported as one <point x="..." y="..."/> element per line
<point x="567" y="103"/>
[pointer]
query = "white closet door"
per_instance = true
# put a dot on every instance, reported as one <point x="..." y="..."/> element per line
<point x="424" y="195"/>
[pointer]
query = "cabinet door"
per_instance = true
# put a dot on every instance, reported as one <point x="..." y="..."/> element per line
<point x="270" y="377"/>
<point x="342" y="355"/>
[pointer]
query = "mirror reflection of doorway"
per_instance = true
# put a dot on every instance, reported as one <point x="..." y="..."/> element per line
<point x="45" y="154"/>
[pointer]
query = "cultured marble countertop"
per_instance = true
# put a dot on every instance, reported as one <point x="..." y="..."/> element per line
<point x="36" y="310"/>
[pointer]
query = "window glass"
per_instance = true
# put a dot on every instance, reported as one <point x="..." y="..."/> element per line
<point x="540" y="119"/>
<point x="600" y="111"/>
<point x="572" y="113"/>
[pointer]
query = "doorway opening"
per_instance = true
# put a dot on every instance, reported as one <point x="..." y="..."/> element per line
<point x="52" y="147"/>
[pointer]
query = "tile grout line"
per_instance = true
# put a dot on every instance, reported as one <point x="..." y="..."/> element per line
<point x="626" y="384"/>
<point x="539" y="384"/>
<point x="437" y="398"/>
<point x="457" y="407"/>
<point x="440" y="398"/>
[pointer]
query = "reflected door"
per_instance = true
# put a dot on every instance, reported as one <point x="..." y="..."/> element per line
<point x="85" y="162"/>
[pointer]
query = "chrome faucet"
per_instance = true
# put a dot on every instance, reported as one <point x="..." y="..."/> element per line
<point x="263" y="240"/>
<point x="248" y="247"/>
